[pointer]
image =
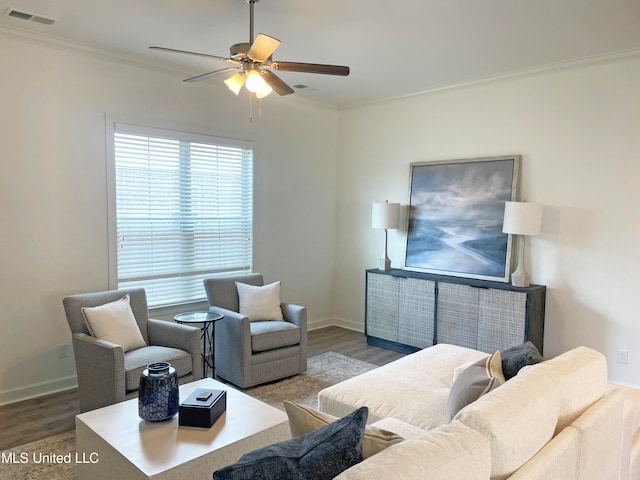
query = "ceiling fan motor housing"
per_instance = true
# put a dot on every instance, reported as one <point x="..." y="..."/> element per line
<point x="240" y="49"/>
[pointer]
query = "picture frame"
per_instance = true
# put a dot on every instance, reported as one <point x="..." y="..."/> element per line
<point x="456" y="213"/>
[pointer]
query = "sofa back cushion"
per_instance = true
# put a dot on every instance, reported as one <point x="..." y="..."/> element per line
<point x="452" y="451"/>
<point x="581" y="375"/>
<point x="517" y="418"/>
<point x="558" y="459"/>
<point x="600" y="437"/>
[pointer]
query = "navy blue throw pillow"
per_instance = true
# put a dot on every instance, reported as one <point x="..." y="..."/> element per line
<point x="514" y="358"/>
<point x="319" y="455"/>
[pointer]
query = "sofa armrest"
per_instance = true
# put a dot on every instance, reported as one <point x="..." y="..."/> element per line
<point x="100" y="369"/>
<point x="183" y="337"/>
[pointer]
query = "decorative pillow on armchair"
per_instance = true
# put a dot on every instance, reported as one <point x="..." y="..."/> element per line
<point x="260" y="303"/>
<point x="320" y="455"/>
<point x="115" y="323"/>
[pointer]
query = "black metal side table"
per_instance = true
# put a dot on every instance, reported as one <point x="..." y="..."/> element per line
<point x="208" y="321"/>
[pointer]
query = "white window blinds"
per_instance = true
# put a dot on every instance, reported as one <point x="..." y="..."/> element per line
<point x="184" y="211"/>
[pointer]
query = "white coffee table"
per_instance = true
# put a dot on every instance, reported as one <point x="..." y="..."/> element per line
<point x="113" y="442"/>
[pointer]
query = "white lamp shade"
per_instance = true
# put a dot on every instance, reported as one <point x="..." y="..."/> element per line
<point x="385" y="215"/>
<point x="522" y="218"/>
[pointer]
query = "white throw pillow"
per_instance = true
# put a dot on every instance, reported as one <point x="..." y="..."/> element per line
<point x="115" y="323"/>
<point x="260" y="303"/>
<point x="303" y="419"/>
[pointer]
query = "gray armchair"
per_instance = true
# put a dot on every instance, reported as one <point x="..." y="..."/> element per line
<point x="250" y="353"/>
<point x="106" y="373"/>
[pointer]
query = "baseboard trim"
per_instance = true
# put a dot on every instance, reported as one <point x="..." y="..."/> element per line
<point x="37" y="390"/>
<point x="335" y="322"/>
<point x="67" y="383"/>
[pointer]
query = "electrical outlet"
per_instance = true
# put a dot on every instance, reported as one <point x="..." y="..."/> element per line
<point x="623" y="356"/>
<point x="63" y="350"/>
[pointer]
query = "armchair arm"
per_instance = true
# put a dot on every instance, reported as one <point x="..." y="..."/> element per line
<point x="183" y="337"/>
<point x="100" y="369"/>
<point x="233" y="343"/>
<point x="297" y="315"/>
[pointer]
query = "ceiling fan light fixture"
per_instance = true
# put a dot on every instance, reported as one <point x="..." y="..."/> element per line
<point x="255" y="83"/>
<point x="266" y="90"/>
<point x="235" y="82"/>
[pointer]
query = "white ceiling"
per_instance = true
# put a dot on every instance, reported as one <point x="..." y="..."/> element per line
<point x="393" y="48"/>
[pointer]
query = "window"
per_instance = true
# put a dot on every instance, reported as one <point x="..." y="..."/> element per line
<point x="183" y="211"/>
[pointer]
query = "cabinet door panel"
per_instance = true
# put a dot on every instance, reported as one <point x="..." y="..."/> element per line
<point x="382" y="306"/>
<point x="416" y="312"/>
<point x="501" y="323"/>
<point x="457" y="315"/>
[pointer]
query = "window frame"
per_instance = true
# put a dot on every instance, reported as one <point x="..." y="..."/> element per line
<point x="135" y="128"/>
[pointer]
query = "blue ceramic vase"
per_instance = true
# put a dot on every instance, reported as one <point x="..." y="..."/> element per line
<point x="158" y="395"/>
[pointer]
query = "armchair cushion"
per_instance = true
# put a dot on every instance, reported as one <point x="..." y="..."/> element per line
<point x="260" y="303"/>
<point x="114" y="322"/>
<point x="135" y="361"/>
<point x="269" y="335"/>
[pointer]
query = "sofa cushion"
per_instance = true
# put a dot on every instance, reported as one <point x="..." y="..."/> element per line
<point x="558" y="459"/>
<point x="476" y="380"/>
<point x="600" y="438"/>
<point x="304" y="419"/>
<point x="413" y="389"/>
<point x="115" y="323"/>
<point x="269" y="335"/>
<point x="514" y="358"/>
<point x="324" y="453"/>
<point x="259" y="302"/>
<point x="582" y="376"/>
<point x="517" y="419"/>
<point x="451" y="452"/>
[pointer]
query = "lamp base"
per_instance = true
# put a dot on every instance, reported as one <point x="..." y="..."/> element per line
<point x="519" y="279"/>
<point x="384" y="264"/>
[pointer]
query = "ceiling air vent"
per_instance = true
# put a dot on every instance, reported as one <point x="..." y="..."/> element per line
<point x="10" y="12"/>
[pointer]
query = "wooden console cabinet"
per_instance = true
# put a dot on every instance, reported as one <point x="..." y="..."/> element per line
<point x="407" y="311"/>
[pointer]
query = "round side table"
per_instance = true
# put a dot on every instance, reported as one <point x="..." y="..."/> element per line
<point x="208" y="321"/>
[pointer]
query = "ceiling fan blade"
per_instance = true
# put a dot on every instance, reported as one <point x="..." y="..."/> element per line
<point x="205" y="76"/>
<point x="276" y="83"/>
<point x="311" y="68"/>
<point x="263" y="47"/>
<point x="206" y="55"/>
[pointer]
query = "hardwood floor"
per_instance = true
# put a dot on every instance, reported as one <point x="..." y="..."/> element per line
<point x="34" y="419"/>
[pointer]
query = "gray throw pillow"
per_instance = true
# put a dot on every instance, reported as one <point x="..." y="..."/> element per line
<point x="514" y="358"/>
<point x="476" y="380"/>
<point x="319" y="455"/>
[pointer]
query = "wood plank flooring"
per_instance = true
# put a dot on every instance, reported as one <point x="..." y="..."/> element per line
<point x="34" y="419"/>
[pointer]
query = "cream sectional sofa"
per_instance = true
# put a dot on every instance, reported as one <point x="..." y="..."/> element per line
<point x="558" y="419"/>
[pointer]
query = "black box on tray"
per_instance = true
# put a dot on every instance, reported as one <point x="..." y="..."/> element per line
<point x="202" y="408"/>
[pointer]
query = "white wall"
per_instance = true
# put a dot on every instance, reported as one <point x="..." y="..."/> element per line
<point x="53" y="192"/>
<point x="578" y="130"/>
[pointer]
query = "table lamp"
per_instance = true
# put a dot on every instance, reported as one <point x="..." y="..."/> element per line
<point x="385" y="215"/>
<point x="524" y="219"/>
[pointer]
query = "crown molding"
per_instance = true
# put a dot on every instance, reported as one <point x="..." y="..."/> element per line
<point x="552" y="67"/>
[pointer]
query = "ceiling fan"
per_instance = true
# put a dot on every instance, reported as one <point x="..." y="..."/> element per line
<point x="254" y="66"/>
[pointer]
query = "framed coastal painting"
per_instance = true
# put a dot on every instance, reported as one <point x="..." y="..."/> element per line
<point x="456" y="211"/>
